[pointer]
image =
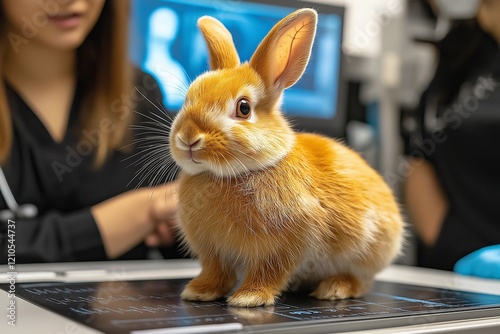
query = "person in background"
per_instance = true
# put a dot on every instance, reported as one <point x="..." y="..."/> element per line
<point x="67" y="96"/>
<point x="452" y="191"/>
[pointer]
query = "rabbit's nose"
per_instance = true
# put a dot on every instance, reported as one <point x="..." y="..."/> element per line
<point x="196" y="144"/>
<point x="191" y="143"/>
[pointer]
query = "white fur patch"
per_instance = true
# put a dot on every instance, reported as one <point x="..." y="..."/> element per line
<point x="369" y="224"/>
<point x="316" y="265"/>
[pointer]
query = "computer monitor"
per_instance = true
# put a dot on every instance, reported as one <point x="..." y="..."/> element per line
<point x="166" y="42"/>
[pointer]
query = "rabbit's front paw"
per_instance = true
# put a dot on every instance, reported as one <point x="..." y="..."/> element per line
<point x="251" y="298"/>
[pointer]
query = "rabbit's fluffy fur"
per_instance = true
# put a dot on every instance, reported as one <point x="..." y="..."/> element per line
<point x="282" y="209"/>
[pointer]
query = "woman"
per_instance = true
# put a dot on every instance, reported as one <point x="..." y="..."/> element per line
<point x="452" y="191"/>
<point x="66" y="101"/>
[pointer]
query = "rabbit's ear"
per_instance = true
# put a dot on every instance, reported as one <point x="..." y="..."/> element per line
<point x="282" y="56"/>
<point x="220" y="44"/>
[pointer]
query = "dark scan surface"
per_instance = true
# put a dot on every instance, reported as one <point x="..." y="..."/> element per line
<point x="129" y="306"/>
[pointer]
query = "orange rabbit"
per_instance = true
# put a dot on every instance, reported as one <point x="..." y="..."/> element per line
<point x="283" y="209"/>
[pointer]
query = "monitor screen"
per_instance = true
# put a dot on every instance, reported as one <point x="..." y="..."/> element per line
<point x="166" y="42"/>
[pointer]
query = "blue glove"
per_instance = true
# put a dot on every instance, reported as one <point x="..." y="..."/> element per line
<point x="484" y="262"/>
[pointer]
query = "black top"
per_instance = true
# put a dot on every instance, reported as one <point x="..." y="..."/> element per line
<point x="60" y="180"/>
<point x="460" y="139"/>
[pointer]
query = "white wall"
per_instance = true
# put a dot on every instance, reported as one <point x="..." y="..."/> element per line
<point x="364" y="22"/>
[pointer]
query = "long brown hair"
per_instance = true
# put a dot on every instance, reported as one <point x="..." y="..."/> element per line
<point x="104" y="74"/>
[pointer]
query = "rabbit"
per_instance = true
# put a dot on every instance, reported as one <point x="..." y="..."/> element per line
<point x="282" y="209"/>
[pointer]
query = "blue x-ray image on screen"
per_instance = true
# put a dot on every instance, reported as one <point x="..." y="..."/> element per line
<point x="166" y="42"/>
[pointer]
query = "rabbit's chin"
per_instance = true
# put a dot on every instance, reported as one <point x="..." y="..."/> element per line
<point x="191" y="167"/>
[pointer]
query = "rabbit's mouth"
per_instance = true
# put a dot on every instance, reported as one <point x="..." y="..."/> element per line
<point x="193" y="155"/>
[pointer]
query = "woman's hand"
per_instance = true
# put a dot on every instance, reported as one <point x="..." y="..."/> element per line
<point x="163" y="211"/>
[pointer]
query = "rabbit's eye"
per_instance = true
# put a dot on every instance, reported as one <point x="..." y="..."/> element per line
<point x="243" y="108"/>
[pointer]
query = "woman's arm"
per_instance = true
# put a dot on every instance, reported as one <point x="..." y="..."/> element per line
<point x="53" y="237"/>
<point x="107" y="230"/>
<point x="425" y="200"/>
<point x="123" y="221"/>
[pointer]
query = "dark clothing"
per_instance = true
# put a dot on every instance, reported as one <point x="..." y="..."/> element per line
<point x="460" y="138"/>
<point x="60" y="179"/>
